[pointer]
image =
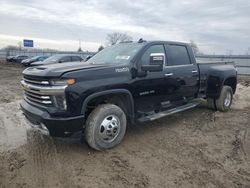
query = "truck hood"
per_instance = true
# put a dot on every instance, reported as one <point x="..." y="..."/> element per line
<point x="58" y="69"/>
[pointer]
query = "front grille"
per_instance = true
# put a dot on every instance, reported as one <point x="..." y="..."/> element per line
<point x="36" y="82"/>
<point x="33" y="90"/>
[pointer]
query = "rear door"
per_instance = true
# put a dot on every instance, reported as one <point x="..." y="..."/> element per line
<point x="185" y="72"/>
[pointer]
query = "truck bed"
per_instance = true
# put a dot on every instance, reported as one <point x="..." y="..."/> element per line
<point x="210" y="74"/>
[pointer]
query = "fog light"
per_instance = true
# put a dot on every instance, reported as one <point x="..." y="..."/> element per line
<point x="44" y="127"/>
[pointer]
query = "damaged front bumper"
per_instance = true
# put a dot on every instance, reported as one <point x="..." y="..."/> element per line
<point x="41" y="120"/>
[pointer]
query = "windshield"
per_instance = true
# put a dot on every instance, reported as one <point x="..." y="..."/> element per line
<point x="117" y="54"/>
<point x="34" y="58"/>
<point x="52" y="59"/>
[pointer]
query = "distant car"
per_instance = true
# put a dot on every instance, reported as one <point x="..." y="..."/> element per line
<point x="19" y="58"/>
<point x="28" y="61"/>
<point x="10" y="58"/>
<point x="60" y="58"/>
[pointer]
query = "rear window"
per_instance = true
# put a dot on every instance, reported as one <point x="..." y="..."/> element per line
<point x="178" y="55"/>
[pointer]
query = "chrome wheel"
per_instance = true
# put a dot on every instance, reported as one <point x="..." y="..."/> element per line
<point x="109" y="128"/>
<point x="228" y="99"/>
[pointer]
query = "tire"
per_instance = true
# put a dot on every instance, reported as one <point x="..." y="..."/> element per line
<point x="105" y="127"/>
<point x="224" y="102"/>
<point x="211" y="103"/>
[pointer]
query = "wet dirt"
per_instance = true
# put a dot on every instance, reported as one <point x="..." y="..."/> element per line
<point x="196" y="148"/>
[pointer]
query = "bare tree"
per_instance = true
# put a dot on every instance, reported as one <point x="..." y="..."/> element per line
<point x="11" y="47"/>
<point x="248" y="51"/>
<point x="229" y="52"/>
<point x="100" y="48"/>
<point x="114" y="38"/>
<point x="195" y="47"/>
<point x="79" y="49"/>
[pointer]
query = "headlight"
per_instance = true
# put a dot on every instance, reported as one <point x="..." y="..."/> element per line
<point x="60" y="100"/>
<point x="62" y="82"/>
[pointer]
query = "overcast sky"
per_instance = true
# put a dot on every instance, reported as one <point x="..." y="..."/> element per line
<point x="217" y="26"/>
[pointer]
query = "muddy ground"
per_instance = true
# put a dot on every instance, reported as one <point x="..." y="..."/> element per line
<point x="196" y="148"/>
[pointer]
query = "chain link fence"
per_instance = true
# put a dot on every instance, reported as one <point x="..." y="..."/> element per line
<point x="242" y="62"/>
<point x="5" y="54"/>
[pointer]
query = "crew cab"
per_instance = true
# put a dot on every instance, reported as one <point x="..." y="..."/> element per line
<point x="126" y="83"/>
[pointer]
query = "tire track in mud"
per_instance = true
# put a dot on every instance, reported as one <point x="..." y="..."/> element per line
<point x="67" y="163"/>
<point x="124" y="173"/>
<point x="49" y="168"/>
<point x="2" y="134"/>
<point x="13" y="129"/>
<point x="42" y="167"/>
<point x="37" y="159"/>
<point x="12" y="133"/>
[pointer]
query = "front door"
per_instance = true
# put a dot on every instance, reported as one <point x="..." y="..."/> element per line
<point x="153" y="89"/>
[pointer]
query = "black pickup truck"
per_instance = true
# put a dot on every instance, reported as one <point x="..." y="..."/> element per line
<point x="128" y="82"/>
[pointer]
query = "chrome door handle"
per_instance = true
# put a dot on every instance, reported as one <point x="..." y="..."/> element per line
<point x="169" y="74"/>
<point x="194" y="71"/>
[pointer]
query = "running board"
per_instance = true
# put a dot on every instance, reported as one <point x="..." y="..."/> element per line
<point x="169" y="112"/>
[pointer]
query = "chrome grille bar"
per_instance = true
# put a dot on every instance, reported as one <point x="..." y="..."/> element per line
<point x="43" y="90"/>
<point x="36" y="81"/>
<point x="38" y="101"/>
<point x="37" y="96"/>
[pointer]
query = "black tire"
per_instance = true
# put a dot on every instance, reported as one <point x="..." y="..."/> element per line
<point x="224" y="102"/>
<point x="102" y="125"/>
<point x="211" y="103"/>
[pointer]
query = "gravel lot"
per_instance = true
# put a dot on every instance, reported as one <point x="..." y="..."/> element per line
<point x="196" y="148"/>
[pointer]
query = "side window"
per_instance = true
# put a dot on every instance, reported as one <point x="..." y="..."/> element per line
<point x="178" y="55"/>
<point x="76" y="58"/>
<point x="152" y="49"/>
<point x="65" y="59"/>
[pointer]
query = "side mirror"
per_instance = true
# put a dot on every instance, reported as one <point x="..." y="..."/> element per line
<point x="88" y="57"/>
<point x="155" y="63"/>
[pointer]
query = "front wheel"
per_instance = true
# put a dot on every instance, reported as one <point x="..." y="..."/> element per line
<point x="224" y="102"/>
<point x="105" y="127"/>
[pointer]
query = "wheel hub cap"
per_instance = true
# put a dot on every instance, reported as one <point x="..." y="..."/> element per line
<point x="228" y="99"/>
<point x="109" y="128"/>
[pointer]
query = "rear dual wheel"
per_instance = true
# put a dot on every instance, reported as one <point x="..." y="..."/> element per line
<point x="224" y="102"/>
